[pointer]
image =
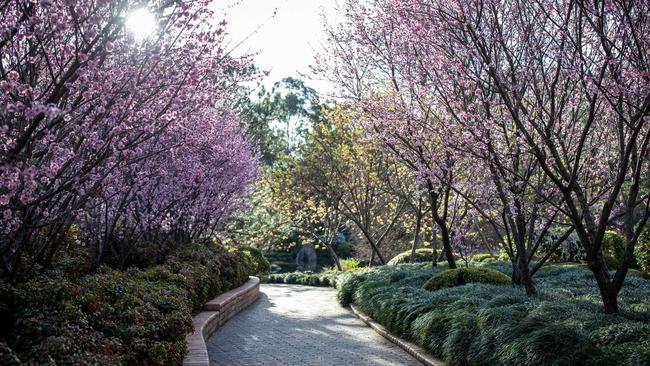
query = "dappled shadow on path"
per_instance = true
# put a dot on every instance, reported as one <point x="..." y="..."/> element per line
<point x="300" y="325"/>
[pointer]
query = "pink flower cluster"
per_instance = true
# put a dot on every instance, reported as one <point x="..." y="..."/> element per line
<point x="94" y="120"/>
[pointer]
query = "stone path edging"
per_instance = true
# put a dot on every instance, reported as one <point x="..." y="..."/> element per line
<point x="214" y="314"/>
<point x="411" y="348"/>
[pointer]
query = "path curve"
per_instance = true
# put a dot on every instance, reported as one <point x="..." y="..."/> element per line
<point x="300" y="325"/>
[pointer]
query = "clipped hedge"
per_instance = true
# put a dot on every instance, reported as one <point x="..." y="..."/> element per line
<point x="461" y="276"/>
<point x="422" y="255"/>
<point x="322" y="279"/>
<point x="135" y="317"/>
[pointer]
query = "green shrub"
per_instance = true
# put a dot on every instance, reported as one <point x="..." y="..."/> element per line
<point x="135" y="317"/>
<point x="614" y="249"/>
<point x="461" y="276"/>
<point x="305" y="278"/>
<point x="343" y="249"/>
<point x="503" y="256"/>
<point x="483" y="257"/>
<point x="349" y="264"/>
<point x="642" y="249"/>
<point x="262" y="266"/>
<point x="423" y="255"/>
<point x="611" y="262"/>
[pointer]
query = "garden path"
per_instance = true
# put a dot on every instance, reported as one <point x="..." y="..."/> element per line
<point x="300" y="325"/>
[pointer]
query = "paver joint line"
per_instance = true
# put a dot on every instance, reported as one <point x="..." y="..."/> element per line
<point x="301" y="325"/>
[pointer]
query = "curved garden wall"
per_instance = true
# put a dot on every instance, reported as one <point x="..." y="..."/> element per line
<point x="214" y="314"/>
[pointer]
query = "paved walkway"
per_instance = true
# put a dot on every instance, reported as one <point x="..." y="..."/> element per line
<point x="300" y="325"/>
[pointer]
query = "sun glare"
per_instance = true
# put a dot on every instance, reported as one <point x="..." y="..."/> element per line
<point x="141" y="22"/>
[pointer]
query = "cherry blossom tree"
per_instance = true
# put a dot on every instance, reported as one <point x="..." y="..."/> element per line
<point x="572" y="78"/>
<point x="365" y="58"/>
<point x="91" y="117"/>
<point x="185" y="192"/>
<point x="547" y="101"/>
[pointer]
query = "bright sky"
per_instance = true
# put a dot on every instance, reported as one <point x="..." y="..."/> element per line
<point x="285" y="34"/>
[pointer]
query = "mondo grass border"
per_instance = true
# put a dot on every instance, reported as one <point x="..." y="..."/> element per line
<point x="414" y="350"/>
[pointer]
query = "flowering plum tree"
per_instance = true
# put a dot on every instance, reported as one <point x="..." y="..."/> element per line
<point x="94" y="118"/>
<point x="572" y="79"/>
<point x="365" y="59"/>
<point x="182" y="193"/>
<point x="550" y="98"/>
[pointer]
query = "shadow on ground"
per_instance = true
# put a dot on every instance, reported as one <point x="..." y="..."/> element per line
<point x="300" y="325"/>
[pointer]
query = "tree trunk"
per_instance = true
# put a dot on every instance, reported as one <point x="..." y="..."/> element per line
<point x="375" y="250"/>
<point x="416" y="237"/>
<point x="610" y="301"/>
<point x="444" y="231"/>
<point x="446" y="245"/>
<point x="520" y="272"/>
<point x="608" y="291"/>
<point x="524" y="278"/>
<point x="335" y="257"/>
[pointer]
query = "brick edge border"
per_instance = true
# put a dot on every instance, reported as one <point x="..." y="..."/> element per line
<point x="411" y="348"/>
<point x="215" y="313"/>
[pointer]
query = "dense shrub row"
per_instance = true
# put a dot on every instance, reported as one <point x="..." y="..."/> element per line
<point x="305" y="278"/>
<point x="136" y="317"/>
<point x="486" y="324"/>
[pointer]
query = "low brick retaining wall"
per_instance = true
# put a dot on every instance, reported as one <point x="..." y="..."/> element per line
<point x="214" y="314"/>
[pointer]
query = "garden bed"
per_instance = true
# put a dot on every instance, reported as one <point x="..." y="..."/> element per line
<point x="67" y="316"/>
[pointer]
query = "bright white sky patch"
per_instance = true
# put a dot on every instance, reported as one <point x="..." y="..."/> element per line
<point x="284" y="33"/>
<point x="141" y="22"/>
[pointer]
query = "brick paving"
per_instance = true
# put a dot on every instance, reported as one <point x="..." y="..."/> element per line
<point x="300" y="325"/>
